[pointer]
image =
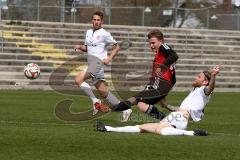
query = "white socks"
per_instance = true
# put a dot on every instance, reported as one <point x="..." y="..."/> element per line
<point x="112" y="99"/>
<point x="88" y="90"/>
<point x="170" y="131"/>
<point x="167" y="131"/>
<point x="126" y="129"/>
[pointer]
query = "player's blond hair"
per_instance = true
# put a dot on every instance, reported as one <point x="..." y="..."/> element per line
<point x="207" y="75"/>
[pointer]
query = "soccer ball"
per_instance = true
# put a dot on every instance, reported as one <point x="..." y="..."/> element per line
<point x="32" y="71"/>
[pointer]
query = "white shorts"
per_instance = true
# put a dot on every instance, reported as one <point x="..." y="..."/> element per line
<point x="96" y="69"/>
<point x="177" y="120"/>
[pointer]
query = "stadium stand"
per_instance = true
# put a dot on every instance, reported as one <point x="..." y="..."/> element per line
<point x="50" y="45"/>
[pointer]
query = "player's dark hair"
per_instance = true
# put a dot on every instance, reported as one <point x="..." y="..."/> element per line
<point x="207" y="75"/>
<point x="98" y="13"/>
<point x="155" y="33"/>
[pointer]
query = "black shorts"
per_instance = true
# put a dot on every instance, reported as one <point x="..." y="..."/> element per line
<point x="154" y="92"/>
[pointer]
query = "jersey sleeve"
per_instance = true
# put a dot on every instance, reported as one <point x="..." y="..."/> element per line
<point x="109" y="39"/>
<point x="206" y="91"/>
<point x="171" y="55"/>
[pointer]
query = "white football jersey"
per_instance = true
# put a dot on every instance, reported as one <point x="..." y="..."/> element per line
<point x="97" y="42"/>
<point x="195" y="102"/>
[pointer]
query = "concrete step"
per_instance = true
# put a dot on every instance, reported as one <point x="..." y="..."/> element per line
<point x="116" y="78"/>
<point x="183" y="64"/>
<point x="231" y="60"/>
<point x="19" y="56"/>
<point x="67" y="88"/>
<point x="134" y="51"/>
<point x="142" y="44"/>
<point x="24" y="62"/>
<point x="116" y="84"/>
<point x="131" y="29"/>
<point x="209" y="61"/>
<point x="121" y="27"/>
<point x="79" y="34"/>
<point x="19" y="68"/>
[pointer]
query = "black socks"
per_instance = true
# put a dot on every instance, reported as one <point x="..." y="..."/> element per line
<point x="122" y="106"/>
<point x="154" y="112"/>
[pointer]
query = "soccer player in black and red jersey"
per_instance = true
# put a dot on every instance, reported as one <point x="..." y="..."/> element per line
<point x="161" y="81"/>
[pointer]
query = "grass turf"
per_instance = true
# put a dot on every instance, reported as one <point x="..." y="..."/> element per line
<point x="30" y="130"/>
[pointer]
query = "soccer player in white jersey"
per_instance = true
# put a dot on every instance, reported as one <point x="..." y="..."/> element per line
<point x="176" y="122"/>
<point x="96" y="41"/>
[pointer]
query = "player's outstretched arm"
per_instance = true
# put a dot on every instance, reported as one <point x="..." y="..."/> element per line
<point x="114" y="52"/>
<point x="214" y="73"/>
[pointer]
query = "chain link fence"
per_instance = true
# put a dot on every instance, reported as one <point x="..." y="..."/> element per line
<point x="209" y="17"/>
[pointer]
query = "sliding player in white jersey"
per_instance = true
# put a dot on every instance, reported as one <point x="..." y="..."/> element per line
<point x="96" y="42"/>
<point x="176" y="122"/>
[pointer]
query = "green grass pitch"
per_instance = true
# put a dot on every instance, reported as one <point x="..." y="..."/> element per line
<point x="29" y="130"/>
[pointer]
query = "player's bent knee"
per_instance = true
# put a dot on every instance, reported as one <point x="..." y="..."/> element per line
<point x="159" y="129"/>
<point x="103" y="93"/>
<point x="102" y="89"/>
<point x="78" y="81"/>
<point x="142" y="106"/>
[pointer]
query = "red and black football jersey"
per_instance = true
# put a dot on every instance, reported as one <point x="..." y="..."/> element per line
<point x="165" y="59"/>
